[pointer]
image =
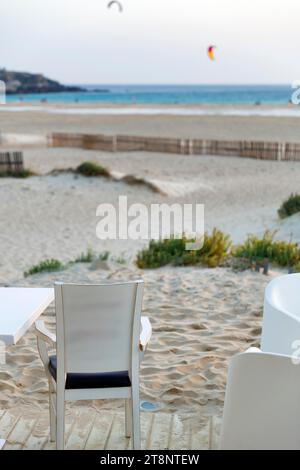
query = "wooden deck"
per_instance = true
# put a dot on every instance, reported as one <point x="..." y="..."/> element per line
<point x="87" y="428"/>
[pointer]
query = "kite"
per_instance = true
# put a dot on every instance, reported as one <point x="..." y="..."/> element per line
<point x="116" y="3"/>
<point x="210" y="52"/>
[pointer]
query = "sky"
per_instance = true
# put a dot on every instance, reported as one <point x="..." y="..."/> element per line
<point x="153" y="41"/>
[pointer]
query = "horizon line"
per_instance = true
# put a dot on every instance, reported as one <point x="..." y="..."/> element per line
<point x="179" y="84"/>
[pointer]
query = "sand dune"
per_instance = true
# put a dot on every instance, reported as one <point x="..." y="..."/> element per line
<point x="168" y="188"/>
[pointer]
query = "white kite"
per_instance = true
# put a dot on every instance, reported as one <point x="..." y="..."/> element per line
<point x="117" y="4"/>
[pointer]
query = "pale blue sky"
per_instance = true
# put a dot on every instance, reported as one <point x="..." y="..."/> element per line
<point x="153" y="41"/>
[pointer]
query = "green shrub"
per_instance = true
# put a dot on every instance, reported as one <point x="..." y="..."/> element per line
<point x="104" y="256"/>
<point x="92" y="169"/>
<point x="85" y="257"/>
<point x="296" y="268"/>
<point x="90" y="256"/>
<point x="280" y="252"/>
<point x="18" y="174"/>
<point x="290" y="206"/>
<point x="160" y="253"/>
<point x="48" y="265"/>
<point x="173" y="251"/>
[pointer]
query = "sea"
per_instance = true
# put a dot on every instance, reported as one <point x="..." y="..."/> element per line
<point x="167" y="94"/>
<point x="149" y="96"/>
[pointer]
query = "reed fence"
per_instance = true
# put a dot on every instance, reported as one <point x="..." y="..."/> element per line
<point x="124" y="143"/>
<point x="11" y="162"/>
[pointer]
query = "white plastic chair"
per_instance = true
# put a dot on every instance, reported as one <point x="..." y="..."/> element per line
<point x="262" y="403"/>
<point x="281" y="320"/>
<point x="99" y="343"/>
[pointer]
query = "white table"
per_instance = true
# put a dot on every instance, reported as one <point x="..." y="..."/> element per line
<point x="19" y="308"/>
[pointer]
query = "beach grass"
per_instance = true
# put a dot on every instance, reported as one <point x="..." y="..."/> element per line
<point x="92" y="169"/>
<point x="296" y="268"/>
<point x="48" y="265"/>
<point x="17" y="174"/>
<point x="173" y="251"/>
<point x="52" y="265"/>
<point x="87" y="257"/>
<point x="218" y="250"/>
<point x="281" y="253"/>
<point x="290" y="206"/>
<point x="103" y="256"/>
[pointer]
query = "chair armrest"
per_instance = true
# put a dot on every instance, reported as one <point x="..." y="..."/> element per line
<point x="253" y="350"/>
<point x="145" y="333"/>
<point x="43" y="333"/>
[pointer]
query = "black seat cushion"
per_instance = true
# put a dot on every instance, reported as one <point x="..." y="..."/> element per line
<point x="103" y="380"/>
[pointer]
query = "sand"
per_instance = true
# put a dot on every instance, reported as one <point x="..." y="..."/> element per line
<point x="55" y="216"/>
<point x="201" y="317"/>
<point x="266" y="128"/>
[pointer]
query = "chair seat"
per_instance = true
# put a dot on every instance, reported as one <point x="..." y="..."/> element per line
<point x="91" y="380"/>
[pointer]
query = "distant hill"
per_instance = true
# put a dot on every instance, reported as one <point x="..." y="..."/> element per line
<point x="24" y="82"/>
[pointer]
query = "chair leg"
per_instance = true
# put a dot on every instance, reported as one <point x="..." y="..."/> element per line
<point x="128" y="417"/>
<point x="136" y="432"/>
<point x="52" y="417"/>
<point x="60" y="421"/>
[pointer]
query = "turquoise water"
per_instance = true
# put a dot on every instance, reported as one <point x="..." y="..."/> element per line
<point x="164" y="94"/>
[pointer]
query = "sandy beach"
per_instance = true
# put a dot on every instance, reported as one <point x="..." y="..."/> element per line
<point x="211" y="125"/>
<point x="149" y="167"/>
<point x="201" y="317"/>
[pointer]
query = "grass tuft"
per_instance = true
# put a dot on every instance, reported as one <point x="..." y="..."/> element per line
<point x="87" y="257"/>
<point x="49" y="265"/>
<point x="290" y="206"/>
<point x="92" y="169"/>
<point x="18" y="174"/>
<point x="173" y="251"/>
<point x="104" y="256"/>
<point x="296" y="268"/>
<point x="279" y="252"/>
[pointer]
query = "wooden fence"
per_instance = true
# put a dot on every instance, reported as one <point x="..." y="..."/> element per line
<point x="85" y="141"/>
<point x="123" y="143"/>
<point x="11" y="162"/>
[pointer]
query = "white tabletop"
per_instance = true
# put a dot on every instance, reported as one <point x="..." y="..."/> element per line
<point x="19" y="308"/>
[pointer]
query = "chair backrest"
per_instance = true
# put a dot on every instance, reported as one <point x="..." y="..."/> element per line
<point x="281" y="320"/>
<point x="97" y="327"/>
<point x="262" y="406"/>
<point x="283" y="293"/>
